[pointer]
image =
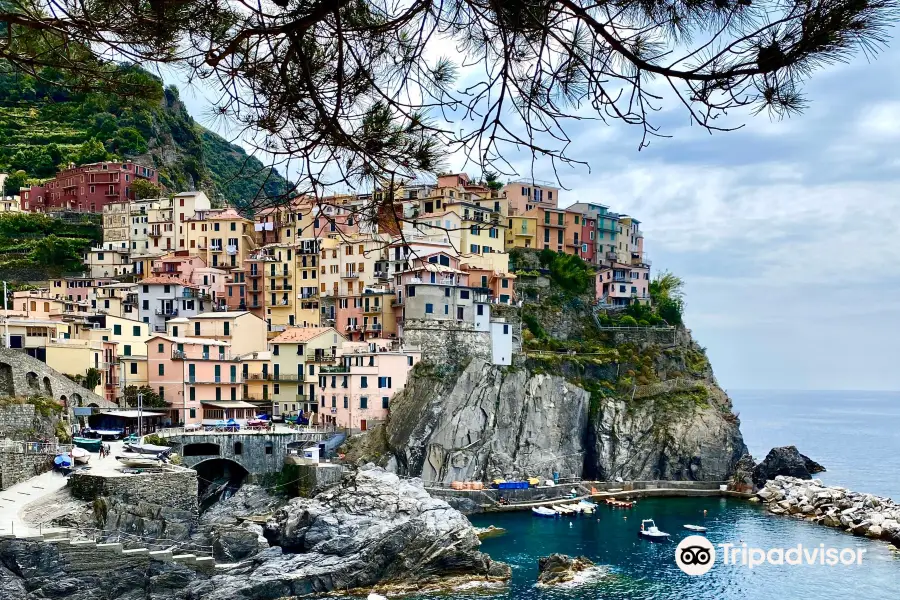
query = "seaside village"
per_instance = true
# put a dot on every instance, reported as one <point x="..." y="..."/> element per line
<point x="312" y="311"/>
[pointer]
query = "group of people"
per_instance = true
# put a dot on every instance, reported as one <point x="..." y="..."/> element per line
<point x="104" y="450"/>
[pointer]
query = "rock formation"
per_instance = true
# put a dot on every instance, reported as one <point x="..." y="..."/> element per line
<point x="488" y="421"/>
<point x="856" y="513"/>
<point x="560" y="568"/>
<point x="373" y="529"/>
<point x="787" y="461"/>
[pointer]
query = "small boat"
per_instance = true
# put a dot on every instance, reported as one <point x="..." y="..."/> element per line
<point x="146" y="448"/>
<point x="543" y="511"/>
<point x="619" y="503"/>
<point x="563" y="510"/>
<point x="695" y="528"/>
<point x="650" y="531"/>
<point x="80" y="455"/>
<point x="89" y="444"/>
<point x="140" y="461"/>
<point x="587" y="507"/>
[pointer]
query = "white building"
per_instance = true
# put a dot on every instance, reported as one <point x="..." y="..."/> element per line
<point x="163" y="298"/>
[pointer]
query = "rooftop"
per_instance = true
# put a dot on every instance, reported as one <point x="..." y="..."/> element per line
<point x="300" y="334"/>
<point x="194" y="341"/>
<point x="222" y="315"/>
<point x="160" y="280"/>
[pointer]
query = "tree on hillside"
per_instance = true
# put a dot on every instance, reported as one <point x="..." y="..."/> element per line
<point x="91" y="151"/>
<point x="143" y="188"/>
<point x="14" y="182"/>
<point x="150" y="399"/>
<point x="667" y="295"/>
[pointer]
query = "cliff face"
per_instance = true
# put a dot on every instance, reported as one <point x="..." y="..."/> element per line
<point x="565" y="414"/>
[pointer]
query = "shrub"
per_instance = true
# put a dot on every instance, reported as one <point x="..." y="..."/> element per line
<point x="533" y="326"/>
<point x="628" y="321"/>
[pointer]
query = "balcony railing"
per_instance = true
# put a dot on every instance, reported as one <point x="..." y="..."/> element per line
<point x="334" y="369"/>
<point x="302" y="398"/>
<point x="371" y="308"/>
<point x="352" y="275"/>
<point x="173" y="312"/>
<point x="320" y="358"/>
<point x="373" y="327"/>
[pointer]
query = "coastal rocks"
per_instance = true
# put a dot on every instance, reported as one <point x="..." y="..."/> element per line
<point x="249" y="500"/>
<point x="560" y="568"/>
<point x="374" y="528"/>
<point x="786" y="461"/>
<point x="232" y="543"/>
<point x="860" y="514"/>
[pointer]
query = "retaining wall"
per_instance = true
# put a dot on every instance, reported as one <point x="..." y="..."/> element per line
<point x="16" y="467"/>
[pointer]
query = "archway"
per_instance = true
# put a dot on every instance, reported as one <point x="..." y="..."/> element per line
<point x="48" y="388"/>
<point x="201" y="449"/>
<point x="76" y="399"/>
<point x="31" y="380"/>
<point x="218" y="479"/>
<point x="7" y="387"/>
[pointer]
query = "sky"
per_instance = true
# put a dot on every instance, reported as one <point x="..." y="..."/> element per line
<point x="786" y="233"/>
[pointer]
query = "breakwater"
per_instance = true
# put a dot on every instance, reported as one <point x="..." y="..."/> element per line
<point x="833" y="506"/>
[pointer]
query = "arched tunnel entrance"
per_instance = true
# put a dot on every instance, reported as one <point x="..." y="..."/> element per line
<point x="218" y="479"/>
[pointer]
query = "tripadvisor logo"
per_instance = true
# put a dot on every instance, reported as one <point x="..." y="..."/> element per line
<point x="695" y="555"/>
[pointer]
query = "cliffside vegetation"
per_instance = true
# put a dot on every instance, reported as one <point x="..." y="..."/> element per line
<point x="34" y="246"/>
<point x="46" y="124"/>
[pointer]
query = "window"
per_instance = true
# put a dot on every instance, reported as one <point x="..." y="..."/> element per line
<point x="334" y="402"/>
<point x="363" y="402"/>
<point x="504" y="283"/>
<point x="410" y="291"/>
<point x="136" y="330"/>
<point x="506" y="330"/>
<point x="346" y="402"/>
<point x="117" y="330"/>
<point x="133" y="368"/>
<point x="473" y="248"/>
<point x="162" y="369"/>
<point x="463" y="294"/>
<point x="584" y="249"/>
<point x="409" y="360"/>
<point x="275" y="349"/>
<point x="429" y="309"/>
<point x="622" y="288"/>
<point x="363" y="381"/>
<point x="447" y="292"/>
<point x="192" y="393"/>
<point x="446" y="309"/>
<point x="227" y="325"/>
<point x="193" y="413"/>
<point x="480" y="309"/>
<point x="197" y="328"/>
<point x="384" y="382"/>
<point x="268" y="447"/>
<point x="127" y="350"/>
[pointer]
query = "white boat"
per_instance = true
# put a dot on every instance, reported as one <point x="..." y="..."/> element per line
<point x="543" y="511"/>
<point x="80" y="455"/>
<point x="146" y="448"/>
<point x="563" y="510"/>
<point x="586" y="507"/>
<point x="695" y="528"/>
<point x="650" y="531"/>
<point x="139" y="461"/>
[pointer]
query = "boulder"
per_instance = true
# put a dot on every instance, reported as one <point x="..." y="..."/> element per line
<point x="236" y="543"/>
<point x="785" y="461"/>
<point x="874" y="531"/>
<point x="831" y="521"/>
<point x="560" y="568"/>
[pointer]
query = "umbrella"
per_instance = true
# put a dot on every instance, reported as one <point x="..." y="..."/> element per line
<point x="62" y="461"/>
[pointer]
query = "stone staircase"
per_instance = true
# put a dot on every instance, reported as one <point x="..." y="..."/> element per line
<point x="90" y="556"/>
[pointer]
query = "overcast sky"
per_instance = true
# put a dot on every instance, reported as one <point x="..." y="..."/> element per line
<point x="787" y="233"/>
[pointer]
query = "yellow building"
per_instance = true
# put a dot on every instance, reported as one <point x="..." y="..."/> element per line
<point x="255" y="367"/>
<point x="297" y="356"/>
<point x="521" y="232"/>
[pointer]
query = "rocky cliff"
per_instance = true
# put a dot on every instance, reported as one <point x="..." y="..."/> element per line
<point x="373" y="529"/>
<point x="578" y="414"/>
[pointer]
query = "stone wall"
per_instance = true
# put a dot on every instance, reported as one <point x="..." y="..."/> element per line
<point x="444" y="342"/>
<point x="20" y="422"/>
<point x="21" y="375"/>
<point x="258" y="453"/>
<point x="18" y="466"/>
<point x="308" y="478"/>
<point x="147" y="504"/>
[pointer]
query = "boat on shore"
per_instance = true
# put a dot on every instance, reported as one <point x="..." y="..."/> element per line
<point x="650" y="531"/>
<point x="80" y="455"/>
<point x="140" y="461"/>
<point x="543" y="511"/>
<point x="695" y="528"/>
<point x="139" y="448"/>
<point x="89" y="444"/>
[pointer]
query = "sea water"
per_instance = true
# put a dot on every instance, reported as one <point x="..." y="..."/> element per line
<point x="856" y="435"/>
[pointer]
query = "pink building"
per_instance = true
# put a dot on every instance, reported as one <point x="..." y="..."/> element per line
<point x="89" y="187"/>
<point x="198" y="377"/>
<point x="587" y="252"/>
<point x="356" y="393"/>
<point x="620" y="284"/>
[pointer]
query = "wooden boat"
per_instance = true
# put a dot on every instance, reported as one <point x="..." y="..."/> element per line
<point x="543" y="511"/>
<point x="650" y="531"/>
<point x="80" y="455"/>
<point x="695" y="528"/>
<point x="89" y="444"/>
<point x="619" y="503"/>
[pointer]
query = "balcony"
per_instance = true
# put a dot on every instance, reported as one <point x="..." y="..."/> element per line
<point x="282" y="287"/>
<point x="154" y="234"/>
<point x="320" y="358"/>
<point x="163" y="312"/>
<point x="334" y="369"/>
<point x="382" y="275"/>
<point x="289" y="377"/>
<point x="351" y="275"/>
<point x="302" y="398"/>
<point x="372" y="309"/>
<point x="376" y="327"/>
<point x="254" y="273"/>
<point x="215" y="248"/>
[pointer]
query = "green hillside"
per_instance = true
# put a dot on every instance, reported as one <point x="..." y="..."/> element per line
<point x="45" y="125"/>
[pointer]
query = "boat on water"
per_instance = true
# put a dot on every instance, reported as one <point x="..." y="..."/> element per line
<point x="619" y="503"/>
<point x="587" y="507"/>
<point x="695" y="528"/>
<point x="543" y="511"/>
<point x="89" y="444"/>
<point x="650" y="531"/>
<point x="80" y="455"/>
<point x="563" y="510"/>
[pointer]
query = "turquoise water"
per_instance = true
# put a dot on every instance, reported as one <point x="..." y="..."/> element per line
<point x="639" y="569"/>
<point x="856" y="435"/>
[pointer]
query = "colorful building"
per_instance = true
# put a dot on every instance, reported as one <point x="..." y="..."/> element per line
<point x="88" y="188"/>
